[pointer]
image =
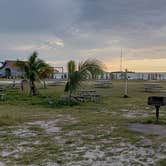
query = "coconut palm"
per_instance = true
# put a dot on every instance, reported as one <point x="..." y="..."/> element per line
<point x="34" y="70"/>
<point x="85" y="70"/>
<point x="44" y="73"/>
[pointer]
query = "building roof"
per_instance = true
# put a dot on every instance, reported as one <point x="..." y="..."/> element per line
<point x="10" y="63"/>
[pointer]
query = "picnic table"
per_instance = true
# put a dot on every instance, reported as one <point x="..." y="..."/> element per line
<point x="56" y="82"/>
<point x="152" y="87"/>
<point x="89" y="94"/>
<point x="103" y="83"/>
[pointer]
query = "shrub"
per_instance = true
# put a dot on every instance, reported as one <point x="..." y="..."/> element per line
<point x="66" y="101"/>
<point x="62" y="101"/>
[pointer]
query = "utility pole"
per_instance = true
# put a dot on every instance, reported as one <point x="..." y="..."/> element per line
<point x="121" y="63"/>
<point x="126" y="84"/>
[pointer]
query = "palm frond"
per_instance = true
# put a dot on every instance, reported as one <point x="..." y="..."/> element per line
<point x="45" y="71"/>
<point x="32" y="58"/>
<point x="85" y="70"/>
<point x="91" y="67"/>
<point x="67" y="87"/>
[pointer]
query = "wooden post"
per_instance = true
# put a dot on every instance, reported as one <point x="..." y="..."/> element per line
<point x="157" y="112"/>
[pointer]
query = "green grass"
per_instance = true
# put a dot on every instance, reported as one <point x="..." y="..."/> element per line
<point x="91" y="118"/>
<point x="162" y="162"/>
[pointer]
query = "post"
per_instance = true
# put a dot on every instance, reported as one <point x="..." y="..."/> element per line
<point x="126" y="85"/>
<point x="157" y="112"/>
<point x="121" y="64"/>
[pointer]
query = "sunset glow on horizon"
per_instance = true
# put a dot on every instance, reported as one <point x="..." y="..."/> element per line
<point x="146" y="65"/>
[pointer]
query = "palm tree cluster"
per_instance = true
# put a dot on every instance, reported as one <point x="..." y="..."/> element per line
<point x="87" y="69"/>
<point x="34" y="69"/>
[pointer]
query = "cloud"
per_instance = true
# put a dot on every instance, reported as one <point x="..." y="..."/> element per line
<point x="23" y="47"/>
<point x="49" y="45"/>
<point x="45" y="43"/>
<point x="61" y="30"/>
<point x="54" y="43"/>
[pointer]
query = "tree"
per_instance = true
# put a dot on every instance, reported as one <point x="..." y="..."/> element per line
<point x="44" y="73"/>
<point x="85" y="70"/>
<point x="34" y="69"/>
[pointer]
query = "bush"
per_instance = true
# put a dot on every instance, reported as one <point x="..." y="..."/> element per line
<point x="66" y="101"/>
<point x="62" y="101"/>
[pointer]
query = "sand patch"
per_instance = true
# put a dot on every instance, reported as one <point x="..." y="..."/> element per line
<point x="149" y="129"/>
<point x="136" y="113"/>
<point x="24" y="132"/>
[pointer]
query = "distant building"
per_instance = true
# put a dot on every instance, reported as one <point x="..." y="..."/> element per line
<point x="9" y="69"/>
<point x="139" y="76"/>
<point x="105" y="76"/>
<point x="58" y="74"/>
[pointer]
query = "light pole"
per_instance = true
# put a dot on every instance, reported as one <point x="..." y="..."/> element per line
<point x="126" y="84"/>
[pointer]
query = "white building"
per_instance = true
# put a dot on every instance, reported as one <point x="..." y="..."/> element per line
<point x="139" y="76"/>
<point x="9" y="69"/>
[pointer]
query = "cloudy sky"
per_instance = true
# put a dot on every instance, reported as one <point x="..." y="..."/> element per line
<point x="61" y="30"/>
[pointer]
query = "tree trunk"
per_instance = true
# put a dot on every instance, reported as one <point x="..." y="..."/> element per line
<point x="22" y="85"/>
<point x="14" y="81"/>
<point x="70" y="95"/>
<point x="70" y="92"/>
<point x="33" y="88"/>
<point x="44" y="84"/>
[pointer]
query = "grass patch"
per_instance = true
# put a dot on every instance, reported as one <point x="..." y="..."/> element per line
<point x="161" y="162"/>
<point x="97" y="122"/>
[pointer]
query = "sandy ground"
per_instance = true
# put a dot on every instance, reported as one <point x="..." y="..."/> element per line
<point x="113" y="151"/>
<point x="149" y="129"/>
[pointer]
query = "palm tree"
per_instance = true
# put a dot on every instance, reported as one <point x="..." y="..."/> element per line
<point x="85" y="70"/>
<point x="44" y="73"/>
<point x="34" y="70"/>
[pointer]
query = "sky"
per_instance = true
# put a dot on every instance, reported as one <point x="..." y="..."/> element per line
<point x="63" y="30"/>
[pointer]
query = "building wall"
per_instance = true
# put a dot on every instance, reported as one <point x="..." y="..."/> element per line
<point x="59" y="75"/>
<point x="15" y="72"/>
<point x="140" y="76"/>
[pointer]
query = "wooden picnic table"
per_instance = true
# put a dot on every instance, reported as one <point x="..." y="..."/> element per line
<point x="152" y="87"/>
<point x="89" y="94"/>
<point x="103" y="83"/>
<point x="56" y="82"/>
